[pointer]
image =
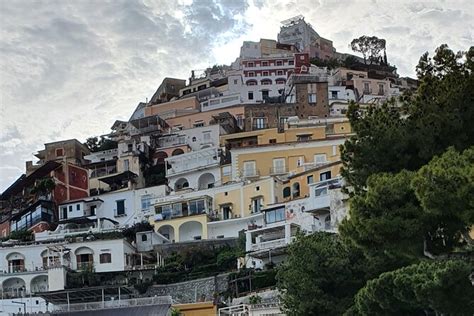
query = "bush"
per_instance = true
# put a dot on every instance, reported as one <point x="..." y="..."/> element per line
<point x="142" y="287"/>
<point x="21" y="235"/>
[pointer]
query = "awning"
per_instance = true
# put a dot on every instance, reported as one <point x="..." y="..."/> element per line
<point x="119" y="178"/>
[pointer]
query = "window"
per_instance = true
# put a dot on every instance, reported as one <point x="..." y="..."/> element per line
<point x="259" y="123"/>
<point x="92" y="210"/>
<point x="236" y="81"/>
<point x="381" y="89"/>
<point x="301" y="57"/>
<point x="70" y="208"/>
<point x="303" y="138"/>
<point x="257" y="205"/>
<point x="194" y="139"/>
<point x="251" y="83"/>
<point x="250" y="95"/>
<point x="126" y="165"/>
<point x="59" y="152"/>
<point x="286" y="192"/>
<point x="144" y="237"/>
<point x="240" y="121"/>
<point x="198" y="124"/>
<point x="265" y="73"/>
<point x="250" y="64"/>
<point x="264" y="63"/>
<point x="264" y="94"/>
<point x="312" y="97"/>
<point x="291" y="62"/>
<point x="78" y="207"/>
<point x="251" y="74"/>
<point x="250" y="169"/>
<point x="296" y="189"/>
<point x="310" y="179"/>
<point x="278" y="165"/>
<point x="333" y="94"/>
<point x="279" y="63"/>
<point x="274" y="216"/>
<point x="325" y="176"/>
<point x="272" y="141"/>
<point x="130" y="147"/>
<point x="197" y="207"/>
<point x="120" y="207"/>
<point x="266" y="82"/>
<point x="300" y="161"/>
<point x="320" y="158"/>
<point x="105" y="258"/>
<point x="279" y="72"/>
<point x="366" y="88"/>
<point x="226" y="211"/>
<point x="280" y="81"/>
<point x="64" y="212"/>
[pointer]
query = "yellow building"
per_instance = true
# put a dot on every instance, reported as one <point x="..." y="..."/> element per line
<point x="197" y="309"/>
<point x="185" y="216"/>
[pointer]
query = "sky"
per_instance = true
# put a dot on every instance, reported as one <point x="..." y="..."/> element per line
<point x="70" y="68"/>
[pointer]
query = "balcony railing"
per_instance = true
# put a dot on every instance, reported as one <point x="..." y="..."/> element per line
<point x="87" y="265"/>
<point x="271" y="244"/>
<point x="278" y="170"/>
<point x="250" y="173"/>
<point x="192" y="161"/>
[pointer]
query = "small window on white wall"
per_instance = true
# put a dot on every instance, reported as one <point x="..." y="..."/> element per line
<point x="320" y="158"/>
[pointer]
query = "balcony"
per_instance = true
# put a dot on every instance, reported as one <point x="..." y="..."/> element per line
<point x="278" y="170"/>
<point x="220" y="102"/>
<point x="367" y="91"/>
<point x="171" y="141"/>
<point x="271" y="244"/>
<point x="250" y="173"/>
<point x="85" y="266"/>
<point x="192" y="161"/>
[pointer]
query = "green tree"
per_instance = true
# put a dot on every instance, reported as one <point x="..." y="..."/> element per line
<point x="443" y="287"/>
<point x="386" y="222"/>
<point x="445" y="189"/>
<point x="438" y="115"/>
<point x="95" y="144"/>
<point x="320" y="276"/>
<point x="369" y="46"/>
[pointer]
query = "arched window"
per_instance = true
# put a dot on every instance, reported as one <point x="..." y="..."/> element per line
<point x="251" y="82"/>
<point x="280" y="81"/>
<point x="144" y="237"/>
<point x="296" y="189"/>
<point x="286" y="192"/>
<point x="266" y="82"/>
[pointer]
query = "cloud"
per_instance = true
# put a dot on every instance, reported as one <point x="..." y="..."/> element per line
<point x="69" y="69"/>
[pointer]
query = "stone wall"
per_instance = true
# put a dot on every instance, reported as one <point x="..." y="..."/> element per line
<point x="200" y="290"/>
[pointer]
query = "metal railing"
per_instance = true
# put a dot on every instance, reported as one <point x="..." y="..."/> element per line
<point x="118" y="303"/>
<point x="278" y="170"/>
<point x="250" y="173"/>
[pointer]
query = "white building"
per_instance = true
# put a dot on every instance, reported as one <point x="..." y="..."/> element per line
<point x="297" y="32"/>
<point x="321" y="211"/>
<point x="29" y="268"/>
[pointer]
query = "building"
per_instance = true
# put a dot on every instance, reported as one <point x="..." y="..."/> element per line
<point x="31" y="201"/>
<point x="71" y="151"/>
<point x="296" y="31"/>
<point x="168" y="89"/>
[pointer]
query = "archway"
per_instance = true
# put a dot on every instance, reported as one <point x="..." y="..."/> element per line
<point x="16" y="262"/>
<point x="191" y="230"/>
<point x="14" y="287"/>
<point x="206" y="181"/>
<point x="39" y="284"/>
<point x="167" y="231"/>
<point x="160" y="157"/>
<point x="177" y="151"/>
<point x="181" y="183"/>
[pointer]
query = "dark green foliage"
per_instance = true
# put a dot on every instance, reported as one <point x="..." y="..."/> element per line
<point x="142" y="287"/>
<point x="130" y="233"/>
<point x="330" y="63"/>
<point x="155" y="175"/>
<point x="43" y="187"/>
<point x="387" y="220"/>
<point x="320" y="276"/>
<point x="437" y="116"/>
<point x="21" y="235"/>
<point x="95" y="144"/>
<point x="443" y="287"/>
<point x="369" y="46"/>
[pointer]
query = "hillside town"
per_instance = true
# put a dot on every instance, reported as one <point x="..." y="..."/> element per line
<point x="190" y="204"/>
